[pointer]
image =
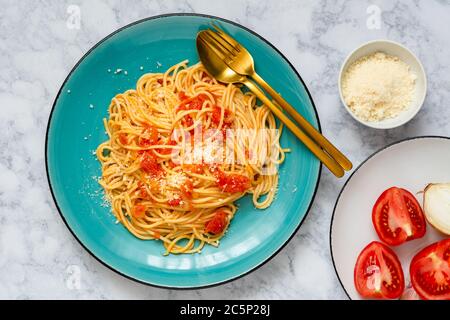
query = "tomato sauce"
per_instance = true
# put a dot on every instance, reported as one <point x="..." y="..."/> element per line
<point x="123" y="138"/>
<point x="166" y="150"/>
<point x="218" y="223"/>
<point x="149" y="163"/>
<point x="174" y="202"/>
<point x="138" y="211"/>
<point x="149" y="137"/>
<point x="232" y="182"/>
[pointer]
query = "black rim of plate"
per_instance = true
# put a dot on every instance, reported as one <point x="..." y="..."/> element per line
<point x="53" y="193"/>
<point x="348" y="180"/>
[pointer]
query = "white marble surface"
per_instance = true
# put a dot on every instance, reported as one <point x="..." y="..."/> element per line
<point x="37" y="50"/>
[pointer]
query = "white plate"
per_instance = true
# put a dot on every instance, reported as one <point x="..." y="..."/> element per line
<point x="398" y="50"/>
<point x="410" y="164"/>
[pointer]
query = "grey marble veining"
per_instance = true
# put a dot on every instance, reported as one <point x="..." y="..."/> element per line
<point x="37" y="50"/>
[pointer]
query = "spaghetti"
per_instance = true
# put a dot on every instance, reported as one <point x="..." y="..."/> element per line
<point x="182" y="149"/>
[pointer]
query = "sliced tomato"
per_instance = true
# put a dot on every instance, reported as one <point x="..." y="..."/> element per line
<point x="218" y="223"/>
<point x="149" y="137"/>
<point x="197" y="102"/>
<point x="166" y="150"/>
<point x="149" y="163"/>
<point x="142" y="190"/>
<point x="430" y="271"/>
<point x="378" y="272"/>
<point x="216" y="115"/>
<point x="398" y="217"/>
<point x="188" y="121"/>
<point x="232" y="182"/>
<point x="175" y="202"/>
<point x="123" y="138"/>
<point x="194" y="103"/>
<point x="138" y="211"/>
<point x="182" y="96"/>
<point x="187" y="188"/>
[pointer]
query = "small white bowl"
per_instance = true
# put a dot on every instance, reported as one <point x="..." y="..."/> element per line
<point x="394" y="49"/>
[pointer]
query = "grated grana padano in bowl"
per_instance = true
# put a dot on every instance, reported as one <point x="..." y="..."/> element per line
<point x="378" y="87"/>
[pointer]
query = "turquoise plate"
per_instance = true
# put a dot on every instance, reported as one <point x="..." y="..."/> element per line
<point x="75" y="129"/>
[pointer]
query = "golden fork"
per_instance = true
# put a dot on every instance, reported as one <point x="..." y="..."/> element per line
<point x="212" y="58"/>
<point x="241" y="61"/>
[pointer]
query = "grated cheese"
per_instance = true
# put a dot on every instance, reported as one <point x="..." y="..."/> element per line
<point x="378" y="87"/>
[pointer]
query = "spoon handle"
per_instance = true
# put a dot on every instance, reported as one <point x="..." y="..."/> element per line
<point x="329" y="162"/>
<point x="305" y="125"/>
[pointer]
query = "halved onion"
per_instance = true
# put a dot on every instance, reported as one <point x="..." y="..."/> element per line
<point x="436" y="205"/>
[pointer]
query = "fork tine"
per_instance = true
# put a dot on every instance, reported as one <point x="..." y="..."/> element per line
<point x="213" y="41"/>
<point x="236" y="45"/>
<point x="222" y="42"/>
<point x="212" y="46"/>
